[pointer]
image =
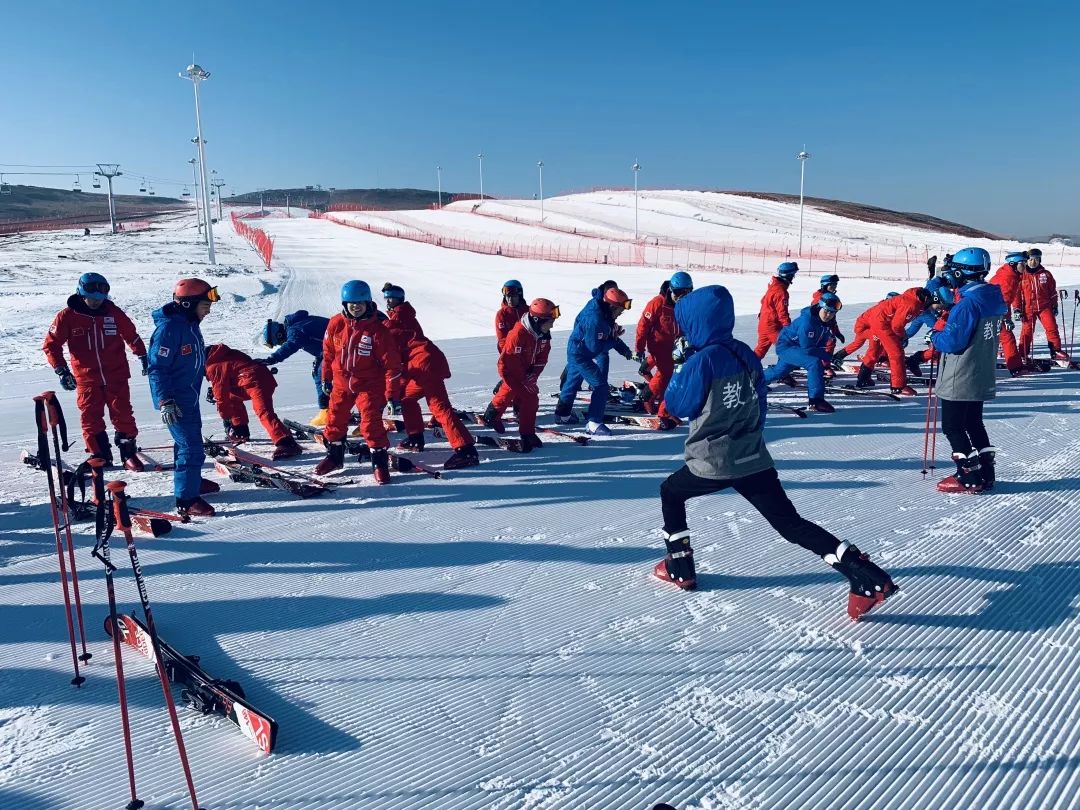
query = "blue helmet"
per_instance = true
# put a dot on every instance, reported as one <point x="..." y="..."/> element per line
<point x="512" y="284"/>
<point x="830" y="302"/>
<point x="355" y="292"/>
<point x="393" y="291"/>
<point x="93" y="286"/>
<point x="966" y="265"/>
<point x="787" y="270"/>
<point x="682" y="281"/>
<point x="891" y="295"/>
<point x="1016" y="257"/>
<point x="274" y="334"/>
<point x="829" y="280"/>
<point x="945" y="296"/>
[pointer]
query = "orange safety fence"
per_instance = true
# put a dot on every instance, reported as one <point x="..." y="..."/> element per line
<point x="259" y="239"/>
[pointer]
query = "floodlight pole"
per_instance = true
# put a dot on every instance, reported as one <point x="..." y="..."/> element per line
<point x="196" y="74"/>
<point x="109" y="171"/>
<point x="480" y="157"/>
<point x="540" y="166"/>
<point x="802" y="157"/>
<point x="637" y="168"/>
<point x="195" y="185"/>
<point x="438" y="174"/>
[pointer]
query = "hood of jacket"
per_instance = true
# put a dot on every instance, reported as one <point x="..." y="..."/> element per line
<point x="706" y="316"/>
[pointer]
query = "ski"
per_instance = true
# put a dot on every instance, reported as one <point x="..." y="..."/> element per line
<point x="500" y="443"/>
<point x="202" y="692"/>
<point x="245" y="472"/>
<point x="577" y="438"/>
<point x="852" y="391"/>
<point x="650" y="422"/>
<point x="247" y="457"/>
<point x="799" y="412"/>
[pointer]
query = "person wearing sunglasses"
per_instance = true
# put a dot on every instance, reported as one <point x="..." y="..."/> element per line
<point x="176" y="372"/>
<point x="95" y="330"/>
<point x="594" y="335"/>
<point x="803" y="345"/>
<point x="655" y="340"/>
<point x="522" y="360"/>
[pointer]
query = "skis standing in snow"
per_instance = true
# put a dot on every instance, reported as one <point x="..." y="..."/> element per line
<point x="176" y="370"/>
<point x="721" y="388"/>
<point x="656" y="333"/>
<point x="773" y="315"/>
<point x="94" y="330"/>
<point x="299" y="331"/>
<point x="966" y="374"/>
<point x="802" y="344"/>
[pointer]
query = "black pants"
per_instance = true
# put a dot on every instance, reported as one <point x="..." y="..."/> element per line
<point x="764" y="492"/>
<point x="962" y="424"/>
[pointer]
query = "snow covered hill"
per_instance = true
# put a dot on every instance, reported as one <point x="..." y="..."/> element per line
<point x="494" y="639"/>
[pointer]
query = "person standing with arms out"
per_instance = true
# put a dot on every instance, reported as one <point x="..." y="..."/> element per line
<point x="803" y="345"/>
<point x="1038" y="302"/>
<point x="656" y="333"/>
<point x="300" y="331"/>
<point x="94" y="330"/>
<point x="774" y="314"/>
<point x="966" y="372"/>
<point x="522" y="360"/>
<point x="176" y="372"/>
<point x="361" y="365"/>
<point x="719" y="385"/>
<point x="1007" y="279"/>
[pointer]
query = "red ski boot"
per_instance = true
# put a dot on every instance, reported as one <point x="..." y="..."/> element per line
<point x="678" y="566"/>
<point x="493" y="419"/>
<point x="821" y="406"/>
<point x="208" y="487"/>
<point x="904" y="391"/>
<point x="193" y="507"/>
<point x="380" y="465"/>
<point x="286" y="448"/>
<point x="870" y="585"/>
<point x="414" y="443"/>
<point x="464" y="456"/>
<point x="334" y="460"/>
<point x="968" y="476"/>
<point x="129" y="452"/>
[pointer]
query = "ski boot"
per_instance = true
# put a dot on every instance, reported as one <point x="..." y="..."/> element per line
<point x="914" y="364"/>
<point x="968" y="476"/>
<point x="319" y="419"/>
<point x="380" y="465"/>
<point x="904" y="391"/>
<point x="193" y="507"/>
<point x="208" y="487"/>
<point x="286" y="448"/>
<point x="1058" y="354"/>
<point x="493" y="419"/>
<point x="865" y="378"/>
<point x="821" y="406"/>
<point x="678" y="566"/>
<point x="870" y="585"/>
<point x="334" y="460"/>
<point x="597" y="429"/>
<point x="239" y="433"/>
<point x="101" y="448"/>
<point x="414" y="443"/>
<point x="669" y="422"/>
<point x="564" y="413"/>
<point x="788" y="380"/>
<point x="986" y="463"/>
<point x="129" y="452"/>
<point x="837" y="361"/>
<point x="464" y="456"/>
<point x="530" y="441"/>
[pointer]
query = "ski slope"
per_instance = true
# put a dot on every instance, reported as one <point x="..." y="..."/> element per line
<point x="494" y="639"/>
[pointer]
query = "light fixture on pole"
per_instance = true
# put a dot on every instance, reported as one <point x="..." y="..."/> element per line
<point x="480" y="157"/>
<point x="196" y="74"/>
<point x="438" y="174"/>
<point x="802" y="157"/>
<point x="109" y="171"/>
<point x="540" y="166"/>
<point x="637" y="168"/>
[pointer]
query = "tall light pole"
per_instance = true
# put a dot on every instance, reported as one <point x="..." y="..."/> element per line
<point x="196" y="74"/>
<point x="480" y="157"/>
<point x="195" y="183"/>
<point x="637" y="168"/>
<point x="540" y="166"/>
<point x="802" y="157"/>
<point x="109" y="171"/>
<point x="438" y="174"/>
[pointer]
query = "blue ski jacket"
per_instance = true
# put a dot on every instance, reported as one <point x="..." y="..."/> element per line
<point x="177" y="358"/>
<point x="806" y="332"/>
<point x="302" y="332"/>
<point x="594" y="334"/>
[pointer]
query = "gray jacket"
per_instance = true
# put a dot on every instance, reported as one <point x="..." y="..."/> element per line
<point x="968" y="344"/>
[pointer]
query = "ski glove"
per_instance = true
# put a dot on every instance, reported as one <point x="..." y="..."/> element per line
<point x="210" y="395"/>
<point x="1018" y="315"/>
<point x="170" y="412"/>
<point x="67" y="379"/>
<point x="637" y="357"/>
<point x="145" y="364"/>
<point x="1008" y="324"/>
<point x="645" y="369"/>
<point x="1055" y="312"/>
<point x="327" y="387"/>
<point x="931" y="264"/>
<point x="264" y="361"/>
<point x="681" y="351"/>
<point x="393" y="408"/>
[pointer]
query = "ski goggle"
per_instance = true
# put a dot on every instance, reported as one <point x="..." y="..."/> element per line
<point x="625" y="305"/>
<point x="96" y="287"/>
<point x="512" y="291"/>
<point x="212" y="295"/>
<point x="555" y="313"/>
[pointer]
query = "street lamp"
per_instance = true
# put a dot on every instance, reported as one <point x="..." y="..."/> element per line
<point x="540" y="166"/>
<point x="196" y="74"/>
<point x="195" y="183"/>
<point x="637" y="168"/>
<point x="802" y="157"/>
<point x="480" y="157"/>
<point x="438" y="174"/>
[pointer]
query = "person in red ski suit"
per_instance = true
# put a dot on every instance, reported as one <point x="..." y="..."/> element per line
<point x="774" y="315"/>
<point x="235" y="379"/>
<point x="883" y="326"/>
<point x="426" y="369"/>
<point x="656" y="333"/>
<point x="95" y="330"/>
<point x="1007" y="278"/>
<point x="513" y="307"/>
<point x="1038" y="301"/>
<point x="362" y="366"/>
<point x="522" y="360"/>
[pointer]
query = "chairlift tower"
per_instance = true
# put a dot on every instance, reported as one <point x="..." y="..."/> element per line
<point x="218" y="183"/>
<point x="109" y="171"/>
<point x="195" y="75"/>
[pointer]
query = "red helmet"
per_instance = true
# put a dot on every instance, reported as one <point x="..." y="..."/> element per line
<point x="544" y="309"/>
<point x="617" y="298"/>
<point x="193" y="290"/>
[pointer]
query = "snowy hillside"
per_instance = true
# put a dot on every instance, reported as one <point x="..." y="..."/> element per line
<point x="494" y="639"/>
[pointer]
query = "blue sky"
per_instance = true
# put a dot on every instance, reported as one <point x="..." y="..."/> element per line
<point x="962" y="110"/>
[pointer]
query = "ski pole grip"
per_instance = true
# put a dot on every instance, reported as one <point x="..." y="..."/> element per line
<point x="56" y="417"/>
<point x="120" y="507"/>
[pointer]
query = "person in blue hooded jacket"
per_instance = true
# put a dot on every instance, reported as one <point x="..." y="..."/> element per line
<point x="595" y="333"/>
<point x="967" y="369"/>
<point x="804" y="344"/>
<point x="719" y="386"/>
<point x="300" y="331"/>
<point x="176" y="371"/>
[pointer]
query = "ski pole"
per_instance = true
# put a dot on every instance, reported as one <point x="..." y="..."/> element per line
<point x="1072" y="331"/>
<point x="935" y="368"/>
<point x="104" y="526"/>
<point x="929" y="406"/>
<point x="1063" y="296"/>
<point x="43" y="453"/>
<point x="59" y="428"/>
<point x="123" y="520"/>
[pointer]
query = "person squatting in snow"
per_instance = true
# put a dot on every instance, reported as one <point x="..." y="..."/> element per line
<point x="719" y="385"/>
<point x="803" y="344"/>
<point x="300" y="331"/>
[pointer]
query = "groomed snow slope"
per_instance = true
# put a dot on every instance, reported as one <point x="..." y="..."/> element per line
<point x="495" y="640"/>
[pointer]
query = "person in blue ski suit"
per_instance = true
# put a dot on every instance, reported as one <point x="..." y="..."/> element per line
<point x="929" y="316"/>
<point x="595" y="333"/>
<point x="176" y="371"/>
<point x="803" y="344"/>
<point x="300" y="332"/>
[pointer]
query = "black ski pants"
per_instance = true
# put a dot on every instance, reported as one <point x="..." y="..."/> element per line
<point x="764" y="492"/>
<point x="962" y="424"/>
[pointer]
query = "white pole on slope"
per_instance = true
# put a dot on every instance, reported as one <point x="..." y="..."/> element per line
<point x="802" y="157"/>
<point x="196" y="75"/>
<point x="195" y="184"/>
<point x="109" y="171"/>
<point x="438" y="174"/>
<point x="480" y="157"/>
<point x="540" y="166"/>
<point x="637" y="168"/>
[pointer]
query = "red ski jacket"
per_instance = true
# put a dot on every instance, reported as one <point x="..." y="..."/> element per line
<point x="1009" y="281"/>
<point x="362" y="354"/>
<point x="505" y="319"/>
<point x="774" y="306"/>
<point x="893" y="314"/>
<point x="231" y="372"/>
<point x="422" y="357"/>
<point x="1038" y="291"/>
<point x="656" y="328"/>
<point x="524" y="356"/>
<point x="95" y="339"/>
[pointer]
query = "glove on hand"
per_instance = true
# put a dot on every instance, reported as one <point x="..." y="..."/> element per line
<point x="327" y="387"/>
<point x="170" y="412"/>
<point x="145" y="364"/>
<point x="210" y="395"/>
<point x="67" y="379"/>
<point x="393" y="408"/>
<point x="681" y="351"/>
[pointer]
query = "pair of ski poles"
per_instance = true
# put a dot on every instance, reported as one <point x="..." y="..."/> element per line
<point x="930" y="436"/>
<point x="1064" y="295"/>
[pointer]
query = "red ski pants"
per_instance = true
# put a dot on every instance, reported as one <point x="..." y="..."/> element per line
<point x="1009" y="350"/>
<point x="369" y="403"/>
<point x="525" y="397"/>
<point x="881" y="341"/>
<point x="262" y="402"/>
<point x="1027" y="332"/>
<point x="663" y="368"/>
<point x="92" y="398"/>
<point x="434" y="391"/>
<point x="766" y="337"/>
